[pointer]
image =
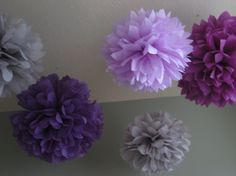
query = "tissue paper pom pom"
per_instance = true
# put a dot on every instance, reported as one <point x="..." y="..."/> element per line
<point x="59" y="122"/>
<point x="155" y="143"/>
<point x="148" y="51"/>
<point x="20" y="54"/>
<point x="211" y="76"/>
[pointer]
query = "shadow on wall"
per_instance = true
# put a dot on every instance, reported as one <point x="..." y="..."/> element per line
<point x="212" y="152"/>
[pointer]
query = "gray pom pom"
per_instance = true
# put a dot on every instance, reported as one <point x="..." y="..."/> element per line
<point x="20" y="55"/>
<point x="155" y="143"/>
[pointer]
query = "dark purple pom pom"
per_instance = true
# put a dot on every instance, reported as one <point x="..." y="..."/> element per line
<point x="59" y="121"/>
<point x="211" y="74"/>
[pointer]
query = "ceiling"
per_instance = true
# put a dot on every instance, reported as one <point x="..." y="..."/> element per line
<point x="73" y="33"/>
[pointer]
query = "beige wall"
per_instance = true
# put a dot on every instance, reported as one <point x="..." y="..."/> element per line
<point x="73" y="32"/>
<point x="212" y="152"/>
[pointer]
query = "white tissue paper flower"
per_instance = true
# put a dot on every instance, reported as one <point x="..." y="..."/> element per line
<point x="20" y="55"/>
<point x="155" y="143"/>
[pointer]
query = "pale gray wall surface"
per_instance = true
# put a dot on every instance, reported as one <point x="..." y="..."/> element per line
<point x="212" y="152"/>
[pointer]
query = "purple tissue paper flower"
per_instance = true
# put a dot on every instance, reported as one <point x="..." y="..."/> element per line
<point x="147" y="51"/>
<point x="211" y="75"/>
<point x="59" y="121"/>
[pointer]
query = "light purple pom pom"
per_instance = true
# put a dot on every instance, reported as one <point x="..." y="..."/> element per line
<point x="148" y="51"/>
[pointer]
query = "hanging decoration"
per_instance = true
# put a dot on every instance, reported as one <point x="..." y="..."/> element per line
<point x="147" y="51"/>
<point x="59" y="121"/>
<point x="20" y="55"/>
<point x="155" y="143"/>
<point x="211" y="75"/>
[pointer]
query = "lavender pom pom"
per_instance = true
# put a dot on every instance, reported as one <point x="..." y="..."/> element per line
<point x="148" y="51"/>
<point x="155" y="143"/>
<point x="20" y="55"/>
<point x="60" y="122"/>
<point x="211" y="75"/>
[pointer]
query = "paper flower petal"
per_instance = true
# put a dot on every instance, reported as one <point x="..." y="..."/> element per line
<point x="7" y="74"/>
